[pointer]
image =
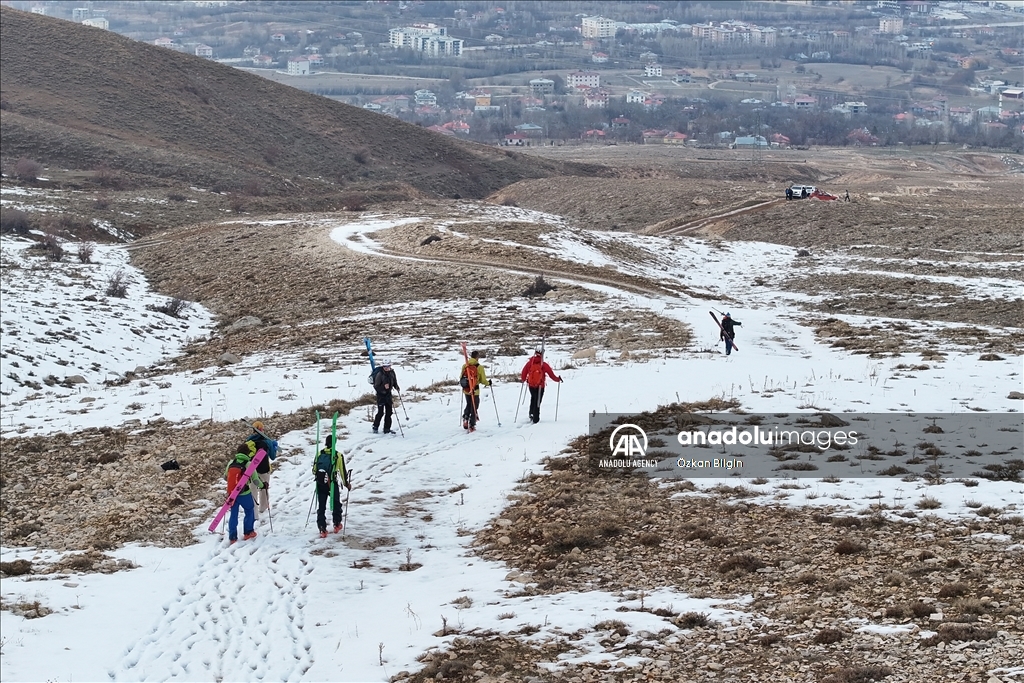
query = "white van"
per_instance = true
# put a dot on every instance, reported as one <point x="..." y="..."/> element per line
<point x="799" y="190"/>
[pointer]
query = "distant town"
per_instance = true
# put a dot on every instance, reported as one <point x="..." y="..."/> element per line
<point x="791" y="74"/>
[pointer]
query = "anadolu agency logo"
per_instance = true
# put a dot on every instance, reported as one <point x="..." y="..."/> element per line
<point x="628" y="446"/>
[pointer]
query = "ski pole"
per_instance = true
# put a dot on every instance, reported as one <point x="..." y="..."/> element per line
<point x="348" y="494"/>
<point x="270" y="513"/>
<point x="558" y="392"/>
<point x="516" y="418"/>
<point x="495" y="402"/>
<point x="399" y="423"/>
<point x="402" y="402"/>
<point x="308" y="514"/>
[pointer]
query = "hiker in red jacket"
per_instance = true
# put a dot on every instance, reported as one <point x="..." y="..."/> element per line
<point x="534" y="375"/>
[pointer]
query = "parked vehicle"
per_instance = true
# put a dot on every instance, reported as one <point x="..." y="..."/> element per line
<point x="803" y="191"/>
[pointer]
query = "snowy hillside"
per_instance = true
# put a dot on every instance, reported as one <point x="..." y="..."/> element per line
<point x="405" y="579"/>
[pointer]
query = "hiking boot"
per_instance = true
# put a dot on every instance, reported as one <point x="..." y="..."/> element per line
<point x="249" y="536"/>
<point x="465" y="424"/>
<point x="323" y="533"/>
<point x="337" y="528"/>
<point x="390" y="431"/>
<point x="472" y="428"/>
<point x="374" y="430"/>
<point x="233" y="541"/>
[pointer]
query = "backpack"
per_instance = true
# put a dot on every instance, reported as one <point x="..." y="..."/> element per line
<point x="535" y="376"/>
<point x="373" y="375"/>
<point x="324" y="466"/>
<point x="464" y="379"/>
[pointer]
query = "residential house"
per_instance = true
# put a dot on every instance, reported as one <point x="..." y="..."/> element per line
<point x="530" y="130"/>
<point x="458" y="127"/>
<point x="598" y="27"/>
<point x="594" y="135"/>
<point x="653" y="136"/>
<point x="890" y="25"/>
<point x="682" y="76"/>
<point x="164" y="42"/>
<point x="599" y="58"/>
<point x="97" y="22"/>
<point x="493" y="38"/>
<point x="482" y="99"/>
<point x="652" y="70"/>
<point x="745" y="76"/>
<point x="315" y="59"/>
<point x="961" y="115"/>
<point x="39" y="9"/>
<point x="778" y="140"/>
<point x="542" y="86"/>
<point x="263" y="61"/>
<point x="620" y="122"/>
<point x="80" y="13"/>
<point x="805" y="102"/>
<point x="430" y="39"/>
<point x="675" y="138"/>
<point x="589" y="79"/>
<point x="298" y="66"/>
<point x="595" y="98"/>
<point x="204" y="51"/>
<point x="636" y="97"/>
<point x="425" y="98"/>
<point x="862" y="137"/>
<point x="515" y="140"/>
<point x="279" y="38"/>
<point x="442" y="130"/>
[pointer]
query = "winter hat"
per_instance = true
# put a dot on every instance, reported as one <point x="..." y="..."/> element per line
<point x="727" y="315"/>
<point x="539" y="351"/>
<point x="386" y="363"/>
<point x="258" y="424"/>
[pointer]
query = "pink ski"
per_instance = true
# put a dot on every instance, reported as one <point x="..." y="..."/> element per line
<point x="260" y="454"/>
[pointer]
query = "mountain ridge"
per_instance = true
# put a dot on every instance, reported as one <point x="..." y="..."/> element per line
<point x="86" y="98"/>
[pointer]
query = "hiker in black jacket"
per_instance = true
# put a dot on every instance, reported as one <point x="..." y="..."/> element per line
<point x="728" y="331"/>
<point x="384" y="383"/>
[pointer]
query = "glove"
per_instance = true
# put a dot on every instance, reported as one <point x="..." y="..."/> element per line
<point x="490" y="383"/>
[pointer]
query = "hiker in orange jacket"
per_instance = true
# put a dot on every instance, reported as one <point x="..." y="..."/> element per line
<point x="475" y="377"/>
<point x="534" y="375"/>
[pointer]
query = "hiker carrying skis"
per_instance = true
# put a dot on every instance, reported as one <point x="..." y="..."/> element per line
<point x="235" y="469"/>
<point x="535" y="374"/>
<point x="329" y="468"/>
<point x="728" y="332"/>
<point x="475" y="377"/>
<point x="384" y="383"/>
<point x="259" y="437"/>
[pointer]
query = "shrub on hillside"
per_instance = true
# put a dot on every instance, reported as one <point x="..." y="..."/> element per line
<point x="117" y="285"/>
<point x="540" y="287"/>
<point x="85" y="251"/>
<point x="362" y="155"/>
<point x="14" y="220"/>
<point x="175" y="307"/>
<point x="52" y="247"/>
<point x="27" y="169"/>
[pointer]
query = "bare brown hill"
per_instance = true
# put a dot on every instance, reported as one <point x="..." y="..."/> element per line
<point x="83" y="98"/>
